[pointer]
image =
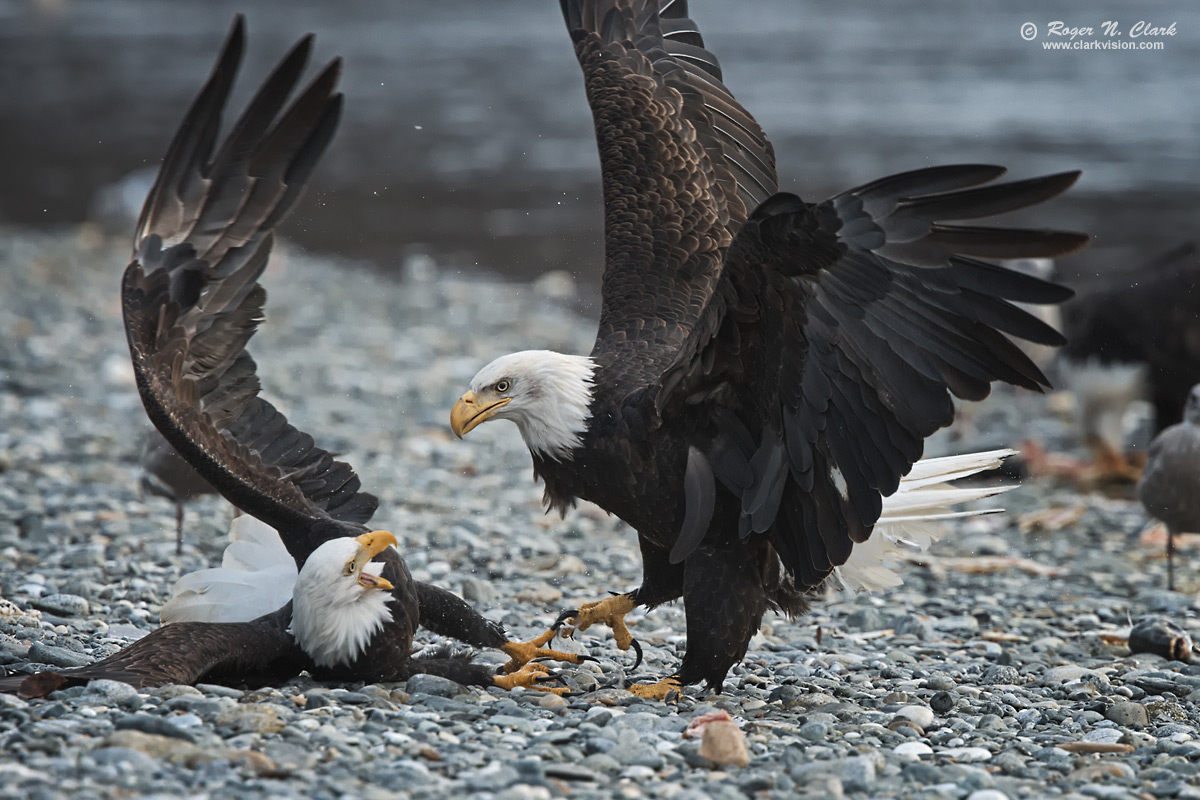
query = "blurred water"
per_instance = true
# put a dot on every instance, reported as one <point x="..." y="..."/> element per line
<point x="466" y="132"/>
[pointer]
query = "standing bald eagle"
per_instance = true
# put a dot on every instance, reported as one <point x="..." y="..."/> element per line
<point x="766" y="369"/>
<point x="191" y="302"/>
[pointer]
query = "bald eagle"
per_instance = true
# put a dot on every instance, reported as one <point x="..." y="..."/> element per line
<point x="191" y="301"/>
<point x="766" y="369"/>
<point x="341" y="602"/>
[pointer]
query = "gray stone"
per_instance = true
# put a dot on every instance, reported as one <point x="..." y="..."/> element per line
<point x="940" y="682"/>
<point x="58" y="656"/>
<point x="476" y="590"/>
<point x="65" y="605"/>
<point x="814" y="731"/>
<point x="570" y="772"/>
<point x="912" y="625"/>
<point x="865" y="619"/>
<point x="600" y="762"/>
<point x="991" y="722"/>
<point x="858" y="774"/>
<point x="1130" y="715"/>
<point x="998" y="674"/>
<point x="126" y="758"/>
<point x="1057" y="675"/>
<point x="943" y="702"/>
<point x="147" y="723"/>
<point x="922" y="715"/>
<point x="110" y="693"/>
<point x="433" y="685"/>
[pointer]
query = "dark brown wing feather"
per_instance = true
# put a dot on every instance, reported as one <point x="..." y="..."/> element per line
<point x="835" y="339"/>
<point x="250" y="653"/>
<point x="682" y="164"/>
<point x="191" y="299"/>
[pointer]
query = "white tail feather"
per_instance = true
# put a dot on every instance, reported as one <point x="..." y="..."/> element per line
<point x="256" y="577"/>
<point x="910" y="516"/>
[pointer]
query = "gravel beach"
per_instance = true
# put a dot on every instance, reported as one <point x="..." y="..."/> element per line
<point x="998" y="670"/>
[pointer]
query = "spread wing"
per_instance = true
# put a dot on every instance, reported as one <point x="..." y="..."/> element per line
<point x="682" y="163"/>
<point x="834" y="341"/>
<point x="253" y="653"/>
<point x="191" y="299"/>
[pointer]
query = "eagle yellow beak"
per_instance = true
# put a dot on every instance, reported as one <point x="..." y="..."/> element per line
<point x="470" y="412"/>
<point x="372" y="544"/>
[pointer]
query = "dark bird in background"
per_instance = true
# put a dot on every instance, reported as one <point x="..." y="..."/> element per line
<point x="166" y="474"/>
<point x="191" y="302"/>
<point x="1133" y="335"/>
<point x="1170" y="485"/>
<point x="766" y="369"/>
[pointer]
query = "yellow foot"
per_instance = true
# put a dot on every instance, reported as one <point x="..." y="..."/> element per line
<point x="531" y="676"/>
<point x="610" y="611"/>
<point x="521" y="653"/>
<point x="667" y="690"/>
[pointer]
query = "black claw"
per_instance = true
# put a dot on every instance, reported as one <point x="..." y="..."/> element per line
<point x="563" y="617"/>
<point x="549" y="677"/>
<point x="638" y="649"/>
<point x="583" y="658"/>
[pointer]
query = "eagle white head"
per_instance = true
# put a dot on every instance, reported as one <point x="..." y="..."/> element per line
<point x="546" y="394"/>
<point x="339" y="601"/>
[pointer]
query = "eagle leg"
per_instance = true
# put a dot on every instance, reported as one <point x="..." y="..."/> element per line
<point x="667" y="690"/>
<point x="521" y="654"/>
<point x="1111" y="467"/>
<point x="531" y="676"/>
<point x="178" y="527"/>
<point x="610" y="611"/>
<point x="1170" y="559"/>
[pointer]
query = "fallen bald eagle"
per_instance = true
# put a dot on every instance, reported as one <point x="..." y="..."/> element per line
<point x="191" y="301"/>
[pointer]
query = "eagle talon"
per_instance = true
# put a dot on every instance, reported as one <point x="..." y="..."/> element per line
<point x="668" y="690"/>
<point x="522" y="654"/>
<point x="637" y="648"/>
<point x="610" y="611"/>
<point x="561" y="619"/>
<point x="530" y="676"/>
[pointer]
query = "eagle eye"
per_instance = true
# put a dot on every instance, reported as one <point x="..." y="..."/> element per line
<point x="503" y="385"/>
<point x="350" y="565"/>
